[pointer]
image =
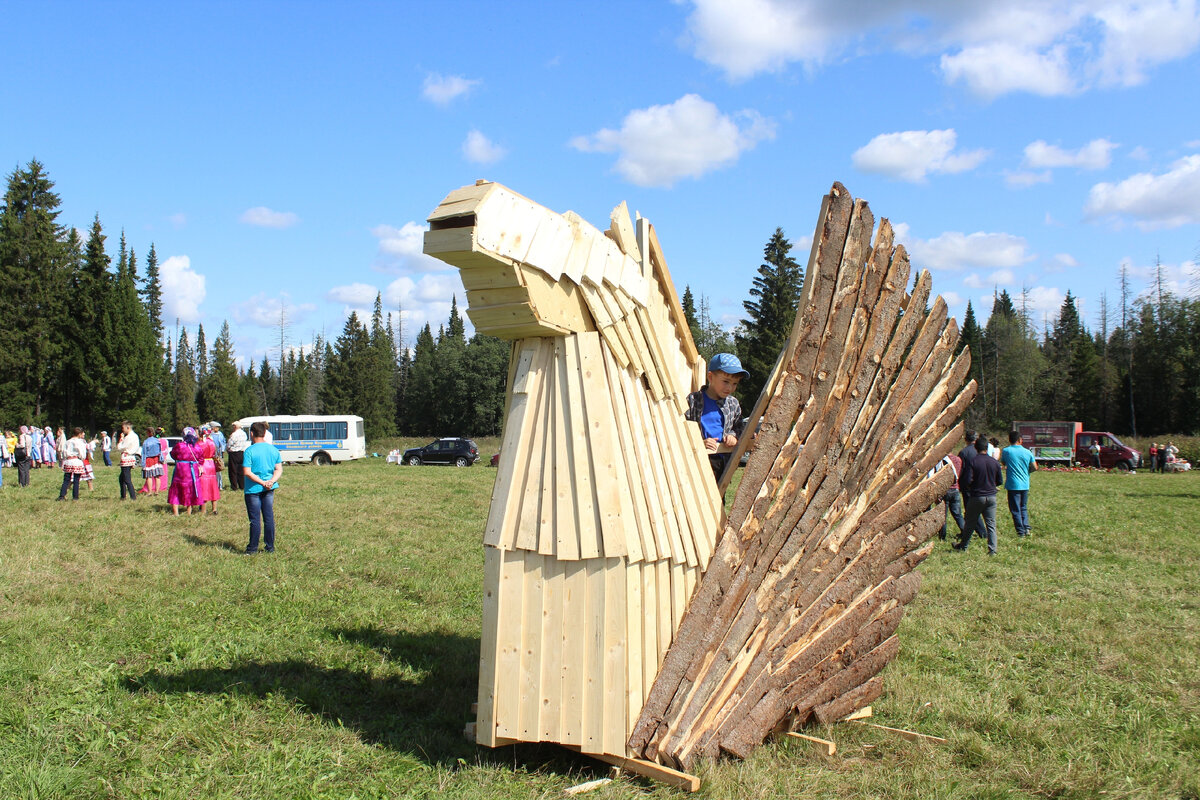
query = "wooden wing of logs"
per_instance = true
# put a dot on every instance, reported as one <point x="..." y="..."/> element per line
<point x="624" y="614"/>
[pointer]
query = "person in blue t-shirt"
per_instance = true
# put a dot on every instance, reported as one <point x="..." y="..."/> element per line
<point x="716" y="410"/>
<point x="261" y="466"/>
<point x="1018" y="463"/>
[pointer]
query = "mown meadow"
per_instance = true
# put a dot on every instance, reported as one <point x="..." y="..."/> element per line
<point x="142" y="656"/>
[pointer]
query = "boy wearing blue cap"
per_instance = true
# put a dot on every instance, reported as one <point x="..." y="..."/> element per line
<point x="716" y="410"/>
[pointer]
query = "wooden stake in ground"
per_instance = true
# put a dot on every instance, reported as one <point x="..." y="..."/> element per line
<point x="624" y="614"/>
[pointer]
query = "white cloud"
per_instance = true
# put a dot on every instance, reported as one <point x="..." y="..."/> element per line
<point x="357" y="295"/>
<point x="954" y="250"/>
<point x="659" y="145"/>
<point x="265" y="311"/>
<point x="998" y="68"/>
<point x="177" y="220"/>
<point x="443" y="89"/>
<point x="1154" y="201"/>
<point x="1024" y="179"/>
<point x="1096" y="154"/>
<point x="1176" y="277"/>
<point x="1000" y="277"/>
<point x="1139" y="153"/>
<point x="182" y="290"/>
<point x="1063" y="261"/>
<point x="953" y="299"/>
<point x="911" y="155"/>
<point x="402" y="249"/>
<point x="1045" y="47"/>
<point x="264" y="217"/>
<point x="1045" y="301"/>
<point x="1193" y="144"/>
<point x="478" y="149"/>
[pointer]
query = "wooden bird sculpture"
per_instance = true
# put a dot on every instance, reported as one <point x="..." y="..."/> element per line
<point x="625" y="614"/>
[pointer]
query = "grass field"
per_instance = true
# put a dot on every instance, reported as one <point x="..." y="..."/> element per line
<point x="142" y="656"/>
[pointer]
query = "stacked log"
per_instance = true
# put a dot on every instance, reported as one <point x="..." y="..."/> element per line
<point x="797" y="613"/>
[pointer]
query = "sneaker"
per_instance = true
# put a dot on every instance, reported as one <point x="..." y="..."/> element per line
<point x="962" y="548"/>
<point x="250" y="553"/>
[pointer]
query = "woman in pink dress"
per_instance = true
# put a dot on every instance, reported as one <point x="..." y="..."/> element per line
<point x="208" y="480"/>
<point x="186" y="487"/>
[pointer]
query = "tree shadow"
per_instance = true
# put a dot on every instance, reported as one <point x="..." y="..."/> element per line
<point x="423" y="715"/>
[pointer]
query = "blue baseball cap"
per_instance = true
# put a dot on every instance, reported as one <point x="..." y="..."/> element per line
<point x="727" y="362"/>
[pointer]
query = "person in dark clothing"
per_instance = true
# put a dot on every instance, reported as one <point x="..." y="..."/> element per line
<point x="967" y="454"/>
<point x="980" y="477"/>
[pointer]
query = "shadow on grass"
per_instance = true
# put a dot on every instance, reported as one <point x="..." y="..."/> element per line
<point x="200" y="541"/>
<point x="423" y="716"/>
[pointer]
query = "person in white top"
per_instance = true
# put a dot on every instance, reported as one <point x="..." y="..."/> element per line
<point x="129" y="445"/>
<point x="72" y="455"/>
<point x="106" y="447"/>
<point x="235" y="447"/>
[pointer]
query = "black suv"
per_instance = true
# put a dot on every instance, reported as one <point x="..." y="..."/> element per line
<point x="459" y="452"/>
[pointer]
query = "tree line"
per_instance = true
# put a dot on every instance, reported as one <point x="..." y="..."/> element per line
<point x="82" y="343"/>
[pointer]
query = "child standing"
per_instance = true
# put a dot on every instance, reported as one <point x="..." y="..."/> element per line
<point x="152" y="468"/>
<point x="73" y="452"/>
<point x="716" y="410"/>
<point x="261" y="468"/>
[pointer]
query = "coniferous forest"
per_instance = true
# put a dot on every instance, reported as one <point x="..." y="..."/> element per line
<point x="83" y="342"/>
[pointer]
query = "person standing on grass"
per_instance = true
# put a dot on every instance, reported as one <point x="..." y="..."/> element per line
<point x="209" y="476"/>
<point x="128" y="445"/>
<point x="218" y="439"/>
<point x="1018" y="463"/>
<point x="238" y="442"/>
<point x="261" y="469"/>
<point x="980" y="477"/>
<point x="73" y="453"/>
<point x="23" y="456"/>
<point x="106" y="448"/>
<point x="967" y="455"/>
<point x="152" y="466"/>
<point x="1094" y="450"/>
<point x="952" y="497"/>
<point x="186" y="488"/>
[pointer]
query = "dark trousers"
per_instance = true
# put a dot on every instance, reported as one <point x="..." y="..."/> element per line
<point x="67" y="476"/>
<point x="23" y="472"/>
<point x="261" y="504"/>
<point x="236" y="476"/>
<point x="127" y="482"/>
<point x="953" y="509"/>
<point x="977" y="508"/>
<point x="979" y="528"/>
<point x="1018" y="506"/>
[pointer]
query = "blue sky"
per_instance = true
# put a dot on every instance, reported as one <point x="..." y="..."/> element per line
<point x="285" y="155"/>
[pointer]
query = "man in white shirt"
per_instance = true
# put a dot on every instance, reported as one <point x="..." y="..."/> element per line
<point x="235" y="447"/>
<point x="106" y="447"/>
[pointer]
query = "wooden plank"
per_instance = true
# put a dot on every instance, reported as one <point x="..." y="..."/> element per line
<point x="547" y="534"/>
<point x="574" y="652"/>
<point x="823" y="746"/>
<point x="621" y="231"/>
<point x="566" y="515"/>
<point x="635" y="615"/>
<point x="659" y="262"/>
<point x="586" y="786"/>
<point x="598" y="412"/>
<point x="529" y="511"/>
<point x="862" y="713"/>
<point x="616" y="727"/>
<point x="489" y="647"/>
<point x="593" y="623"/>
<point x="578" y="446"/>
<point x="508" y="645"/>
<point x="497" y="275"/>
<point x="471" y="194"/>
<point x="662" y="517"/>
<point x="529" y="689"/>
<point x="551" y="627"/>
<point x="911" y="736"/>
<point x="648" y="769"/>
<point x="503" y="316"/>
<point x="452" y="240"/>
<point x="525" y="361"/>
<point x="634" y="504"/>
<point x="686" y="513"/>
<point x="650" y="641"/>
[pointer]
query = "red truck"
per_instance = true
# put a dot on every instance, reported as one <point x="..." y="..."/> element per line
<point x="1068" y="442"/>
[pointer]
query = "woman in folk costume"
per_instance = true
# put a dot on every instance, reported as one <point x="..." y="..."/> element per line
<point x="23" y="456"/>
<point x="89" y="449"/>
<point x="128" y="446"/>
<point x="208" y="480"/>
<point x="186" y="488"/>
<point x="73" y="451"/>
<point x="152" y="466"/>
<point x="49" y="453"/>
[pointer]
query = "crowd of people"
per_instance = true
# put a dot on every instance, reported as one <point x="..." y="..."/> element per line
<point x="199" y="460"/>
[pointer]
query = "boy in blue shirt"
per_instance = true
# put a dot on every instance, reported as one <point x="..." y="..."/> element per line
<point x="262" y="467"/>
<point x="1018" y="463"/>
<point x="716" y="410"/>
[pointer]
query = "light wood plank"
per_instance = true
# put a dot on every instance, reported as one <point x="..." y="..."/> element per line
<point x="587" y="514"/>
<point x="574" y="652"/>
<point x="593" y="623"/>
<point x="549" y="692"/>
<point x="616" y="719"/>
<point x="598" y="412"/>
<point x="566" y="514"/>
<point x="820" y="745"/>
<point x="488" y="647"/>
<point x="529" y="690"/>
<point x="911" y="736"/>
<point x="510" y="448"/>
<point x="652" y="771"/>
<point x="508" y="645"/>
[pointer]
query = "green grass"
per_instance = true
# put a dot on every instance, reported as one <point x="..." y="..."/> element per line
<point x="141" y="656"/>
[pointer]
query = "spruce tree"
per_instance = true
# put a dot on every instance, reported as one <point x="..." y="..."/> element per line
<point x="132" y="351"/>
<point x="221" y="391"/>
<point x="421" y="398"/>
<point x="201" y="354"/>
<point x="689" y="313"/>
<point x="486" y="362"/>
<point x="770" y="314"/>
<point x="376" y="379"/>
<point x="33" y="285"/>
<point x="87" y="368"/>
<point x="152" y="294"/>
<point x="184" y="412"/>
